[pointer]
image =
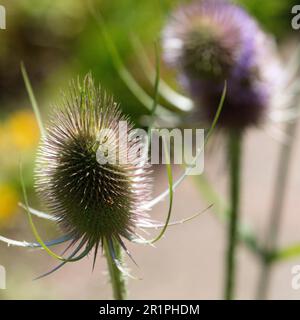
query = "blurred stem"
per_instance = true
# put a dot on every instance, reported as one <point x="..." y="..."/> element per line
<point x="276" y="213"/>
<point x="234" y="154"/>
<point x="221" y="209"/>
<point x="117" y="279"/>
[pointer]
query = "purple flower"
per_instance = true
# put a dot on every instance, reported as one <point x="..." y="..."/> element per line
<point x="212" y="41"/>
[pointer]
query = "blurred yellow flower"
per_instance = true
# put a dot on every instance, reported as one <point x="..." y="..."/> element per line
<point x="23" y="130"/>
<point x="8" y="203"/>
<point x="3" y="137"/>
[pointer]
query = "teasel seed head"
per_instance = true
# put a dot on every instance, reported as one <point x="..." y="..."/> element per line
<point x="211" y="41"/>
<point x="92" y="201"/>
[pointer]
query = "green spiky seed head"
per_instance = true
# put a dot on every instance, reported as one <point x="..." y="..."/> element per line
<point x="92" y="200"/>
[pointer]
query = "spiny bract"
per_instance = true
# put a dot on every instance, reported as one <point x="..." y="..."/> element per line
<point x="92" y="201"/>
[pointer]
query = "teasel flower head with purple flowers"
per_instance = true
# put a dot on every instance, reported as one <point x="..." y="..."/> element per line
<point x="211" y="41"/>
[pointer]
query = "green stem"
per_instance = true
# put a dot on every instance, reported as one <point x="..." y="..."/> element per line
<point x="234" y="154"/>
<point x="246" y="234"/>
<point x="276" y="212"/>
<point x="117" y="279"/>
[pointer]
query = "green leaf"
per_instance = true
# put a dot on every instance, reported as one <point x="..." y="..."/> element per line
<point x="170" y="182"/>
<point x="123" y="72"/>
<point x="179" y="101"/>
<point x="156" y="89"/>
<point x="217" y="115"/>
<point x="291" y="252"/>
<point x="32" y="99"/>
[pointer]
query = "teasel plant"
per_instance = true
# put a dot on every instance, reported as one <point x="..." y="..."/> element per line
<point x="207" y="43"/>
<point x="96" y="205"/>
<point x="270" y="245"/>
